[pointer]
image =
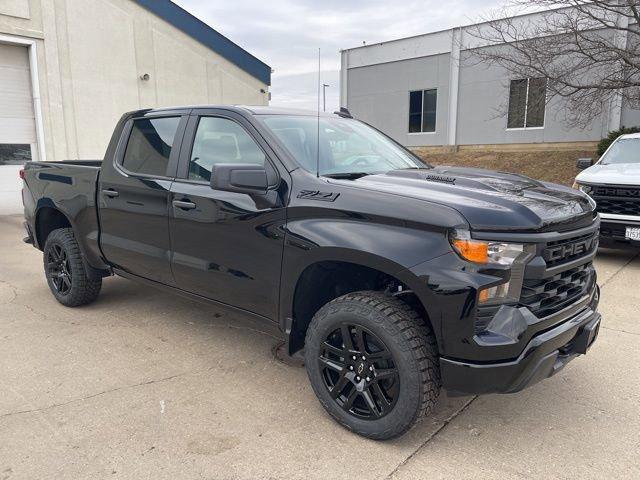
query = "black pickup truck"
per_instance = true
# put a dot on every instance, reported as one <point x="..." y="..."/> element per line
<point x="393" y="278"/>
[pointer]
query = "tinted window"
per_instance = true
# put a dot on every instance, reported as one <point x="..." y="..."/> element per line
<point x="536" y="102"/>
<point x="345" y="145"/>
<point x="430" y="99"/>
<point x="220" y="140"/>
<point x="150" y="144"/>
<point x="415" y="111"/>
<point x="422" y="111"/>
<point x="517" y="103"/>
<point x="527" y="103"/>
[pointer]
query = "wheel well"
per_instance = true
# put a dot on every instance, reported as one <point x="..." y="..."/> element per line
<point x="324" y="281"/>
<point x="48" y="220"/>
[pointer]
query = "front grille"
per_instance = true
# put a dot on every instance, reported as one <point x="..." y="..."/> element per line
<point x="550" y="295"/>
<point x="617" y="200"/>
<point x="618" y="207"/>
<point x="562" y="251"/>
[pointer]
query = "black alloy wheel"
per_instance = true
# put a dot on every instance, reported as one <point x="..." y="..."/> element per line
<point x="359" y="372"/>
<point x="372" y="361"/>
<point x="67" y="274"/>
<point x="58" y="269"/>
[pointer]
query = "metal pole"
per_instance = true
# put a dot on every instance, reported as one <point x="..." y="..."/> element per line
<point x="324" y="96"/>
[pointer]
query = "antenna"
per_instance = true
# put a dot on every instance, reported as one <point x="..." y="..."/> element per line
<point x="318" y="137"/>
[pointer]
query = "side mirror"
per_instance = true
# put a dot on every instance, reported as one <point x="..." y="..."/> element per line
<point x="240" y="178"/>
<point x="584" y="163"/>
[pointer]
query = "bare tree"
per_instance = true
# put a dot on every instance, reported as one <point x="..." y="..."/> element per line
<point x="589" y="52"/>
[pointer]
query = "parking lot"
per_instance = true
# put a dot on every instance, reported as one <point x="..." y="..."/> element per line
<point x="141" y="384"/>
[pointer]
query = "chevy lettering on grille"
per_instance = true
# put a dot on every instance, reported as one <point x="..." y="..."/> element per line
<point x="616" y="192"/>
<point x="570" y="249"/>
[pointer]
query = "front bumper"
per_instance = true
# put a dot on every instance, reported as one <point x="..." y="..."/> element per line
<point x="613" y="228"/>
<point x="544" y="356"/>
<point x="504" y="347"/>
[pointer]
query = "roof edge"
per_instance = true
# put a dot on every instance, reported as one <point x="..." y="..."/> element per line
<point x="456" y="27"/>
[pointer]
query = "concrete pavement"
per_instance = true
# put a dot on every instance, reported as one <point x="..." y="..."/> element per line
<point x="142" y="384"/>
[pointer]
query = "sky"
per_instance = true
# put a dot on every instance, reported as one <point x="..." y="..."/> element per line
<point x="286" y="34"/>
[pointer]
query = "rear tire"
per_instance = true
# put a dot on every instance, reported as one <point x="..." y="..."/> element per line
<point x="65" y="270"/>
<point x="373" y="363"/>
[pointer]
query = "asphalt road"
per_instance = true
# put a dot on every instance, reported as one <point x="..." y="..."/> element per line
<point x="142" y="385"/>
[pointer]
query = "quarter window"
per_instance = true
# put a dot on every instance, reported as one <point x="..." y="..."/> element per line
<point x="527" y="103"/>
<point x="422" y="111"/>
<point x="149" y="146"/>
<point x="220" y="140"/>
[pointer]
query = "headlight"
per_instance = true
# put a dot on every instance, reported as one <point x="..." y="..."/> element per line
<point x="488" y="253"/>
<point x="583" y="188"/>
<point x="588" y="189"/>
<point x="479" y="251"/>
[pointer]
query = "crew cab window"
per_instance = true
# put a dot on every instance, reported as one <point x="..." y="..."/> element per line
<point x="149" y="145"/>
<point x="220" y="140"/>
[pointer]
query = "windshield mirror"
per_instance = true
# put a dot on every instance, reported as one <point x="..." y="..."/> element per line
<point x="625" y="150"/>
<point x="346" y="145"/>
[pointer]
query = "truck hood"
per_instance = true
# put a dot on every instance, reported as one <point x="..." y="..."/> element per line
<point x="488" y="200"/>
<point x="612" y="174"/>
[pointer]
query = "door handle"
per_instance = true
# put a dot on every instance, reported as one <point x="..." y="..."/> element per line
<point x="110" y="193"/>
<point x="183" y="204"/>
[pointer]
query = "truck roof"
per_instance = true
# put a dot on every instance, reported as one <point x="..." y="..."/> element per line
<point x="630" y="135"/>
<point x="251" y="109"/>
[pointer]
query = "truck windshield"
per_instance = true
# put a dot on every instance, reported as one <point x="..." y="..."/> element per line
<point x="347" y="146"/>
<point x="625" y="150"/>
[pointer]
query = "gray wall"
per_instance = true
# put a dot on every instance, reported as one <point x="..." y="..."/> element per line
<point x="630" y="117"/>
<point x="379" y="95"/>
<point x="482" y="101"/>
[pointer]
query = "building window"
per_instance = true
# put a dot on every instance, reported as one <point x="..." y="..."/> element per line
<point x="150" y="145"/>
<point x="527" y="103"/>
<point x="422" y="111"/>
<point x="14" y="154"/>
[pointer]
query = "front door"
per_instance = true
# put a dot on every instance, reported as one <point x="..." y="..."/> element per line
<point x="134" y="197"/>
<point x="226" y="246"/>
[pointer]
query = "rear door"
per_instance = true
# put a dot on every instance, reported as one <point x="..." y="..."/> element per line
<point x="133" y="195"/>
<point x="226" y="246"/>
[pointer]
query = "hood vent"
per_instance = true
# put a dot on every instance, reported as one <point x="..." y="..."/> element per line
<point x="422" y="174"/>
<point x="441" y="179"/>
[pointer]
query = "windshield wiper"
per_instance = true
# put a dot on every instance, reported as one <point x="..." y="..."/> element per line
<point x="346" y="175"/>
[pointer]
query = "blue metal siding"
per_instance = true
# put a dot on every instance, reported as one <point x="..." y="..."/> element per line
<point x="197" y="29"/>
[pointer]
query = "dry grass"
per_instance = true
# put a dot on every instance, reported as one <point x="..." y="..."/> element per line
<point x="550" y="166"/>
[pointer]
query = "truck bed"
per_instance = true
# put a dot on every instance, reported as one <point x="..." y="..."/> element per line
<point x="79" y="163"/>
<point x="68" y="187"/>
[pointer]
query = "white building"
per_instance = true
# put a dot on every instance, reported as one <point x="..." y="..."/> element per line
<point x="70" y="68"/>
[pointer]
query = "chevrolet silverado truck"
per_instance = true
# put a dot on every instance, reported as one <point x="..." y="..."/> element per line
<point x="392" y="278"/>
<point x="614" y="184"/>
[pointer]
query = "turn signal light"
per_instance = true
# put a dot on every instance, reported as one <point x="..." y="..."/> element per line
<point x="472" y="250"/>
<point x="21" y="173"/>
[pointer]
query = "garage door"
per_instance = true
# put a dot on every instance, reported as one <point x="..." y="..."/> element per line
<point x="17" y="121"/>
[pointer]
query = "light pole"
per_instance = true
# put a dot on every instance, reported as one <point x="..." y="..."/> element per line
<point x="324" y="96"/>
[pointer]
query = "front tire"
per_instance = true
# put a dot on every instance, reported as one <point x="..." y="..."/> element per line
<point x="65" y="270"/>
<point x="373" y="363"/>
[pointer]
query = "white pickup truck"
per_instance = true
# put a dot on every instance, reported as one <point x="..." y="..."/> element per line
<point x="614" y="183"/>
